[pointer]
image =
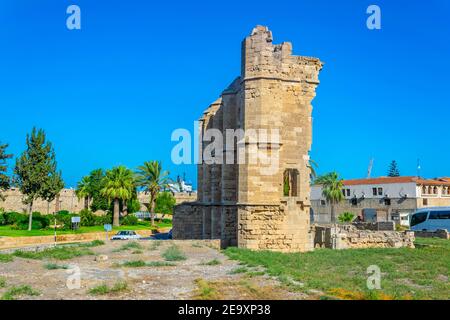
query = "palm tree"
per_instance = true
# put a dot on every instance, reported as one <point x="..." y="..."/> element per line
<point x="119" y="185"/>
<point x="332" y="190"/>
<point x="152" y="179"/>
<point x="312" y="166"/>
<point x="83" y="190"/>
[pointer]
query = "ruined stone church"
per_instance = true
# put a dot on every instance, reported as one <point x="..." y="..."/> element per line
<point x="239" y="203"/>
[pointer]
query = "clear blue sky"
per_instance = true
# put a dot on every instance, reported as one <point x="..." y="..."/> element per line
<point x="113" y="92"/>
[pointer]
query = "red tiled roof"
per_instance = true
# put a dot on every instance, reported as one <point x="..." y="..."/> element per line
<point x="389" y="180"/>
<point x="380" y="180"/>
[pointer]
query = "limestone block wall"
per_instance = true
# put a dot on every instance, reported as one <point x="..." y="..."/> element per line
<point x="276" y="227"/>
<point x="68" y="201"/>
<point x="349" y="237"/>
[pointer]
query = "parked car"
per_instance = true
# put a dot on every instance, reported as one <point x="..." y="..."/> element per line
<point x="431" y="219"/>
<point x="126" y="235"/>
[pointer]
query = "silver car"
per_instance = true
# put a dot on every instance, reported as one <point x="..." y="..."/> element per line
<point x="126" y="235"/>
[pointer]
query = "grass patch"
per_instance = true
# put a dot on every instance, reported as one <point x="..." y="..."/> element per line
<point x="155" y="245"/>
<point x="137" y="252"/>
<point x="206" y="290"/>
<point x="58" y="253"/>
<point x="5" y="258"/>
<point x="130" y="246"/>
<point x="14" y="292"/>
<point x="213" y="262"/>
<point x="173" y="253"/>
<point x="7" y="231"/>
<point x="140" y="264"/>
<point x="2" y="282"/>
<point x="160" y="264"/>
<point x="55" y="266"/>
<point x="105" y="289"/>
<point x="134" y="264"/>
<point x="95" y="243"/>
<point x="405" y="273"/>
<point x="239" y="270"/>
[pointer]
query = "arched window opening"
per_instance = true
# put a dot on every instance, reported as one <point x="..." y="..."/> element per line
<point x="290" y="183"/>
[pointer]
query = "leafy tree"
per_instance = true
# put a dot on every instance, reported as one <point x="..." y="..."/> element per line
<point x="34" y="169"/>
<point x="331" y="190"/>
<point x="83" y="190"/>
<point x="52" y="187"/>
<point x="346" y="217"/>
<point x="152" y="179"/>
<point x="119" y="185"/>
<point x="164" y="203"/>
<point x="393" y="169"/>
<point x="96" y="184"/>
<point x="4" y="179"/>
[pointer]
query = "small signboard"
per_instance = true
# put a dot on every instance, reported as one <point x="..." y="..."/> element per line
<point x="76" y="219"/>
<point x="76" y="223"/>
<point x="107" y="227"/>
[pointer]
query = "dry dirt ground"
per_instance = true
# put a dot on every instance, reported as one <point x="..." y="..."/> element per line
<point x="191" y="278"/>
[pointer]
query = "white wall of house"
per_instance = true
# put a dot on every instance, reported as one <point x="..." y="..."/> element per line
<point x="393" y="190"/>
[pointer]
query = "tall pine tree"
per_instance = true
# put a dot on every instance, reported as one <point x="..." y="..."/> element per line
<point x="393" y="169"/>
<point x="4" y="179"/>
<point x="35" y="171"/>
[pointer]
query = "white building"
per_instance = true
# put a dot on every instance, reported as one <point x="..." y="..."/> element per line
<point x="383" y="198"/>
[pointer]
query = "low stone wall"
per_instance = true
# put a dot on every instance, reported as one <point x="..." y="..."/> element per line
<point x="443" y="234"/>
<point x="349" y="237"/>
<point x="17" y="242"/>
<point x="375" y="226"/>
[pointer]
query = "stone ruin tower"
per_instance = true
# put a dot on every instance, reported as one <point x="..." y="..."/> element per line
<point x="251" y="204"/>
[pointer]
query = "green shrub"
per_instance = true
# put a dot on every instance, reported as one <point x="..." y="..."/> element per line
<point x="63" y="213"/>
<point x="2" y="219"/>
<point x="2" y="282"/>
<point x="346" y="217"/>
<point x="101" y="220"/>
<point x="87" y="218"/>
<point x="130" y="220"/>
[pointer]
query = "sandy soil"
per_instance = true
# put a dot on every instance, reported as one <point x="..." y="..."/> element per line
<point x="151" y="283"/>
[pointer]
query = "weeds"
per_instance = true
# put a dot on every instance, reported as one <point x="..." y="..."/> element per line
<point x="16" y="291"/>
<point x="173" y="253"/>
<point x="104" y="289"/>
<point x="55" y="266"/>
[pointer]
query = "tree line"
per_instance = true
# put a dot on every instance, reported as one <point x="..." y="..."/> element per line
<point x="36" y="175"/>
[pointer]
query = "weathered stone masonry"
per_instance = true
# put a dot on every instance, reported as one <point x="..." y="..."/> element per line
<point x="240" y="203"/>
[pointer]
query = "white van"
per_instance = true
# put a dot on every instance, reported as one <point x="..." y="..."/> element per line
<point x="430" y="219"/>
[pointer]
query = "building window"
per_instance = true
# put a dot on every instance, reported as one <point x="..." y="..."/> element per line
<point x="425" y="202"/>
<point x="290" y="183"/>
<point x="374" y="191"/>
<point x="343" y="192"/>
<point x="380" y="191"/>
<point x="387" y="202"/>
<point x="323" y="203"/>
<point x="354" y="201"/>
<point x="348" y="192"/>
<point x="435" y="190"/>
